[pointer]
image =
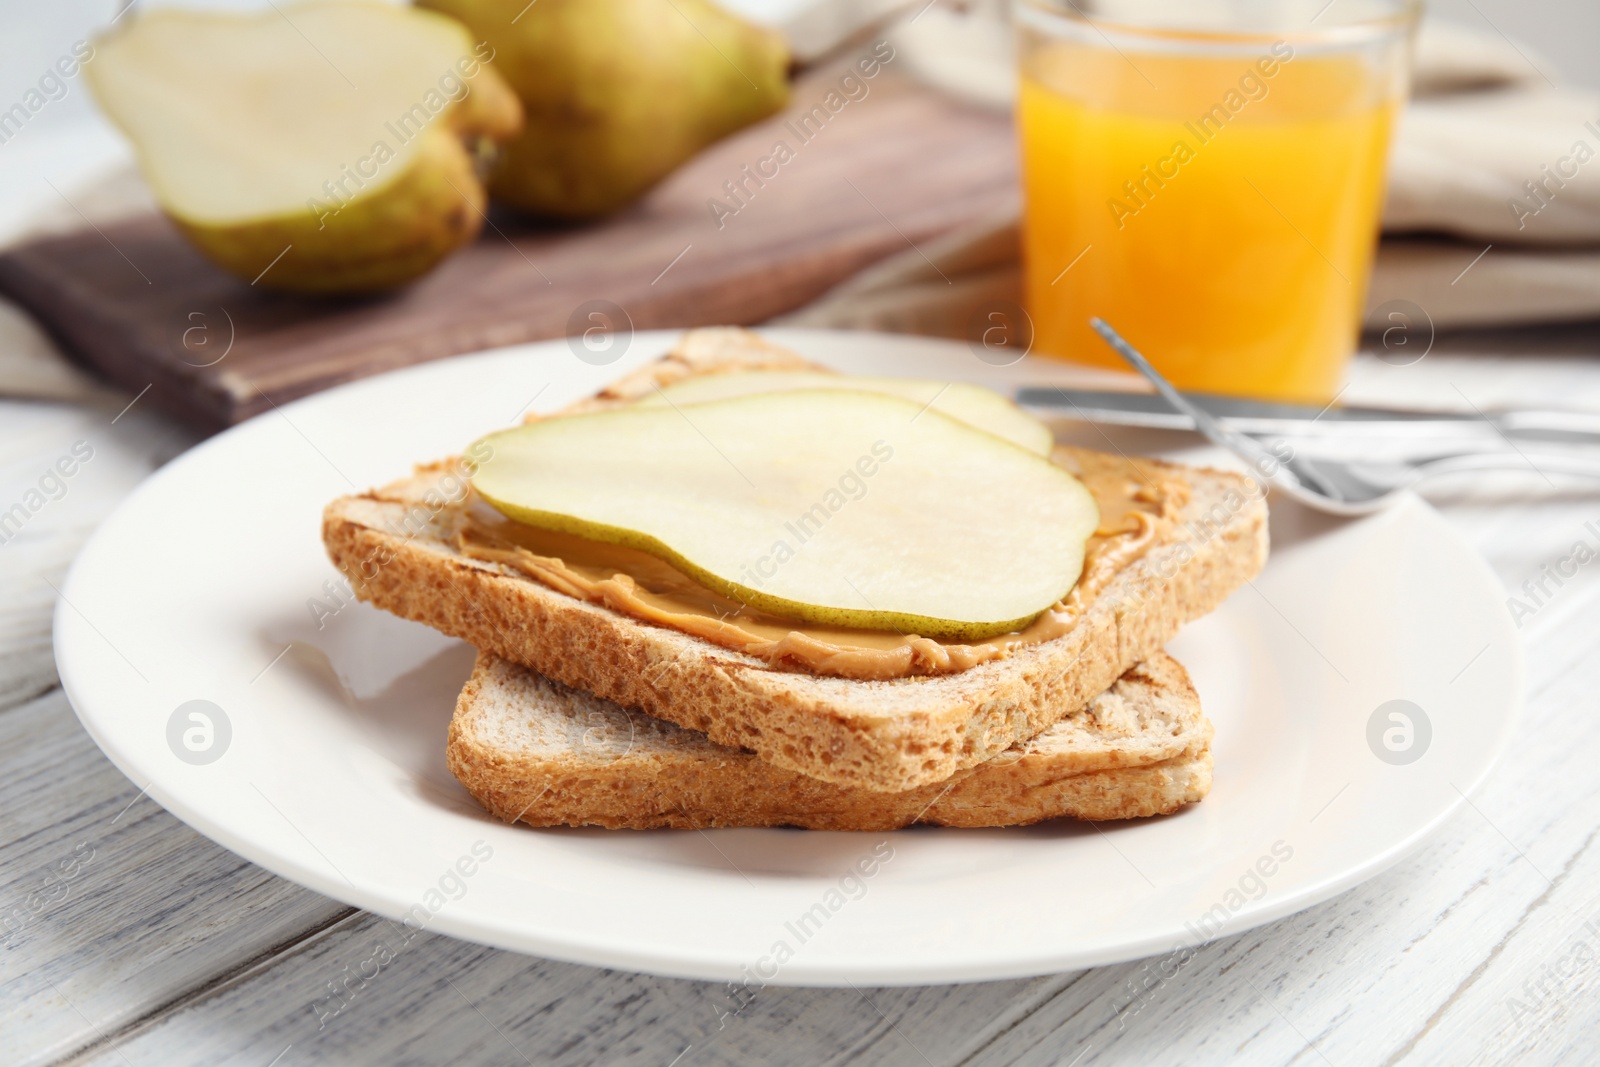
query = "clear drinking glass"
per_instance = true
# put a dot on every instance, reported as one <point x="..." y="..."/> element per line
<point x="1208" y="178"/>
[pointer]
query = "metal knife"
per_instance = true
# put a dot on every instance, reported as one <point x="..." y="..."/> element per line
<point x="1149" y="410"/>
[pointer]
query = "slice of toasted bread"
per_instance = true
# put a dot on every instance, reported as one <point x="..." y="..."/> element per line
<point x="395" y="546"/>
<point x="534" y="750"/>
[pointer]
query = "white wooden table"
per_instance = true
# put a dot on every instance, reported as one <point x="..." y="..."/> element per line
<point x="130" y="939"/>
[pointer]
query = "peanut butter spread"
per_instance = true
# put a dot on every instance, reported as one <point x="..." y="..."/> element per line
<point x="1137" y="502"/>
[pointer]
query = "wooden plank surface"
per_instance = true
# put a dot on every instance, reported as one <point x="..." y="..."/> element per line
<point x="138" y="304"/>
<point x="112" y="907"/>
<point x="1474" y="950"/>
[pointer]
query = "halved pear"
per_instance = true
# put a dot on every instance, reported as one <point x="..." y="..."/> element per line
<point x="971" y="404"/>
<point x="840" y="508"/>
<point x="318" y="148"/>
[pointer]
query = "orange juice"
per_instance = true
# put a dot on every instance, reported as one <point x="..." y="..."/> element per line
<point x="1220" y="211"/>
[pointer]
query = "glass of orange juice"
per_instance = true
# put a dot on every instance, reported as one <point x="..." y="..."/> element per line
<point x="1207" y="176"/>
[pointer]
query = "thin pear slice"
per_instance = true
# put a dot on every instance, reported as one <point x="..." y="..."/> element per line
<point x="335" y="143"/>
<point x="840" y="508"/>
<point x="971" y="404"/>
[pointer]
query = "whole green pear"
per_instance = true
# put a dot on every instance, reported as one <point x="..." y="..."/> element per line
<point x="618" y="93"/>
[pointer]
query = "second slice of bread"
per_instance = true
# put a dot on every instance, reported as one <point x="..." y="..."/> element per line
<point x="536" y="751"/>
<point x="395" y="546"/>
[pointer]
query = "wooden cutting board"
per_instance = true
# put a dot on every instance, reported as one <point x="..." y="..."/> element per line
<point x="886" y="172"/>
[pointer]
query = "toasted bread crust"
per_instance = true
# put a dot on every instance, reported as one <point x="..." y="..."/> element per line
<point x="521" y="745"/>
<point x="888" y="736"/>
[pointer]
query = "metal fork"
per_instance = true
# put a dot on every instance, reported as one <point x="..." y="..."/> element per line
<point x="1339" y="487"/>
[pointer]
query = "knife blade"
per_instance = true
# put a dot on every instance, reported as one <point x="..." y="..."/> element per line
<point x="1149" y="410"/>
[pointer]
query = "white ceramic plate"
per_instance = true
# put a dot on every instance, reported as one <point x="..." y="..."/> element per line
<point x="208" y="585"/>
